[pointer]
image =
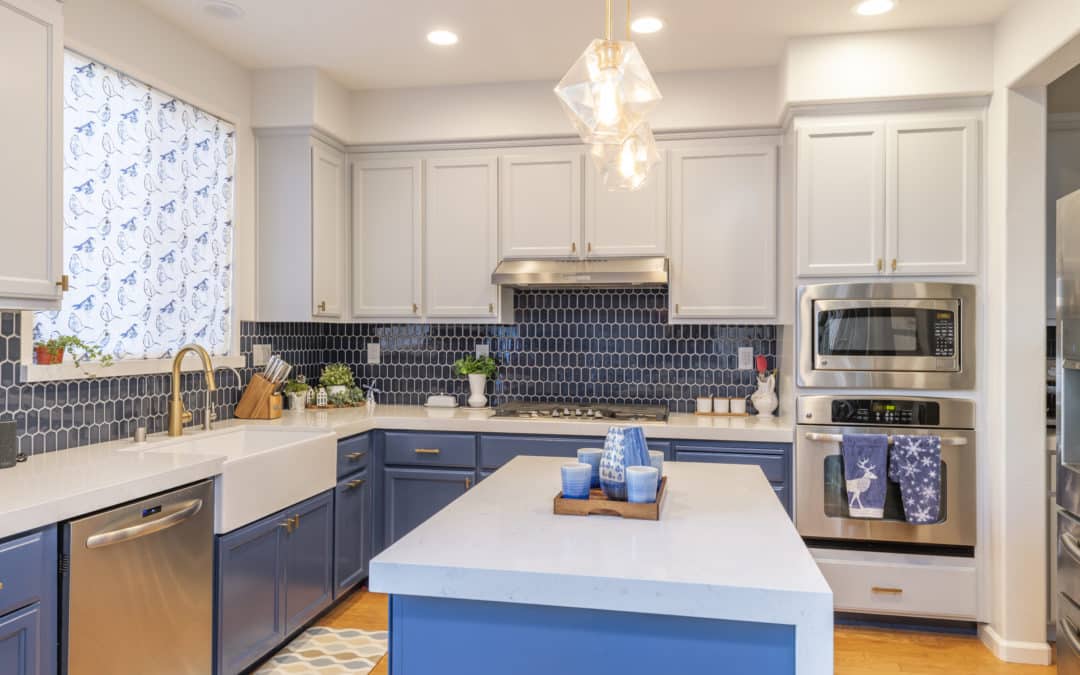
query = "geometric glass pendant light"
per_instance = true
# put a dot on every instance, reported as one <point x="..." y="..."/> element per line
<point x="607" y="94"/>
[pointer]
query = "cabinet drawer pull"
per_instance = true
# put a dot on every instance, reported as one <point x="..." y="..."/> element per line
<point x="428" y="451"/>
<point x="573" y="247"/>
<point x="415" y="308"/>
<point x="1" y="585"/>
<point x="354" y="456"/>
<point x="885" y="590"/>
<point x="353" y="484"/>
<point x="894" y="264"/>
<point x="588" y="247"/>
<point x="491" y="308"/>
<point x="468" y="483"/>
<point x="880" y="265"/>
<point x="287" y="525"/>
<point x="322" y="306"/>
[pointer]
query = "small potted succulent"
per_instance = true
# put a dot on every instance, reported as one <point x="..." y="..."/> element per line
<point x="337" y="378"/>
<point x="51" y="351"/>
<point x="297" y="391"/>
<point x="349" y="398"/>
<point x="478" y="369"/>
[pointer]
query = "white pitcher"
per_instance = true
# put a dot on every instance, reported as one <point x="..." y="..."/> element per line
<point x="764" y="399"/>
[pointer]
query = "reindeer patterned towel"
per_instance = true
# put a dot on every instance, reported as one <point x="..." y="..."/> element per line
<point x="915" y="463"/>
<point x="865" y="456"/>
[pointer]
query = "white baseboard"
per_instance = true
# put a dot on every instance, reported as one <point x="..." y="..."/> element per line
<point x="1014" y="651"/>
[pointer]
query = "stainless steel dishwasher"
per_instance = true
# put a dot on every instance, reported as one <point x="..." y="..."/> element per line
<point x="138" y="587"/>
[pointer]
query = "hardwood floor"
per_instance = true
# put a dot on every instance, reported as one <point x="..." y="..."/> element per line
<point x="859" y="651"/>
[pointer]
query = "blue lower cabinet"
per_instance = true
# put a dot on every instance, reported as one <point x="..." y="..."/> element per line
<point x="774" y="459"/>
<point x="352" y="531"/>
<point x="414" y="495"/>
<point x="21" y="635"/>
<point x="498" y="449"/>
<point x="272" y="576"/>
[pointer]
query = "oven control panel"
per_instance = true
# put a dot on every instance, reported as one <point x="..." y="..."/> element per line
<point x="944" y="336"/>
<point x="886" y="412"/>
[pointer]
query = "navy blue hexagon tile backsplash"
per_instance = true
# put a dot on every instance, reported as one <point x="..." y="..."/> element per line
<point x="608" y="346"/>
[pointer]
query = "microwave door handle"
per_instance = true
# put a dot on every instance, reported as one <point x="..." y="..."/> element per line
<point x="837" y="438"/>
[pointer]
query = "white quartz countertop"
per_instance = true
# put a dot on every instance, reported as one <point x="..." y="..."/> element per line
<point x="52" y="487"/>
<point x="724" y="548"/>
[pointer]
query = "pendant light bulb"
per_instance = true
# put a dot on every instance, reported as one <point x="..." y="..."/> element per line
<point x="608" y="108"/>
<point x="628" y="158"/>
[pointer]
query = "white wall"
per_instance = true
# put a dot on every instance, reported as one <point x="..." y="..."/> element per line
<point x="894" y="64"/>
<point x="129" y="37"/>
<point x="300" y="97"/>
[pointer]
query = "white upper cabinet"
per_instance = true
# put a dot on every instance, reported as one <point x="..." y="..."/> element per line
<point x="386" y="235"/>
<point x="723" y="231"/>
<point x="932" y="196"/>
<point x="461" y="237"/>
<point x="888" y="197"/>
<point x="620" y="223"/>
<point x="540" y="204"/>
<point x="31" y="175"/>
<point x="329" y="205"/>
<point x="840" y="202"/>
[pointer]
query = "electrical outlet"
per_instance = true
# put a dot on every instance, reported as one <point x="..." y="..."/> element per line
<point x="746" y="358"/>
<point x="482" y="351"/>
<point x="374" y="353"/>
<point x="260" y="354"/>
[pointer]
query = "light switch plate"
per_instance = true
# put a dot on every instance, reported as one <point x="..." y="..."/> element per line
<point x="746" y="358"/>
<point x="482" y="351"/>
<point x="374" y="353"/>
<point x="260" y="354"/>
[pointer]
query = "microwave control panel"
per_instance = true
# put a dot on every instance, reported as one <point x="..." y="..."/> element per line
<point x="886" y="412"/>
<point x="944" y="329"/>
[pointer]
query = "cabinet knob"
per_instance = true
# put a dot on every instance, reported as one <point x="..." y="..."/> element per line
<point x="894" y="264"/>
<point x="880" y="265"/>
<point x="64" y="283"/>
<point x="322" y="306"/>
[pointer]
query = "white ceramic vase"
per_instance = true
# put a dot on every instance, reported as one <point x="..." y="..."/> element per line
<point x="477" y="383"/>
<point x="764" y="399"/>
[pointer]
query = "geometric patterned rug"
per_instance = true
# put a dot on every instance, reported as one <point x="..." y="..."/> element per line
<point x="329" y="651"/>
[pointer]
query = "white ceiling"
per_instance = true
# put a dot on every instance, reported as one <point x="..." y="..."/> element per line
<point x="367" y="44"/>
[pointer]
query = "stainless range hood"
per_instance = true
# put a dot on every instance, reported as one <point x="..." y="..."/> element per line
<point x="615" y="272"/>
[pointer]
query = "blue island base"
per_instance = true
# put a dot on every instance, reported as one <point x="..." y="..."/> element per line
<point x="437" y="636"/>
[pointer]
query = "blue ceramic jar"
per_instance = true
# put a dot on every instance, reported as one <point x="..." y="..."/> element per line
<point x="623" y="447"/>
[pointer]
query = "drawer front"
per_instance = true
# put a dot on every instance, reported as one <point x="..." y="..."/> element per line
<point x="23" y="572"/>
<point x="775" y="467"/>
<point x="411" y="449"/>
<point x="496" y="450"/>
<point x="934" y="589"/>
<point x="1068" y="637"/>
<point x="353" y="454"/>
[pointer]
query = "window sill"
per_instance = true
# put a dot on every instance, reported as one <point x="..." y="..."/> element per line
<point x="68" y="370"/>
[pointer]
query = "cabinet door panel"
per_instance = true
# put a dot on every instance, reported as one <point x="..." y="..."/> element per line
<point x="20" y="633"/>
<point x="724" y="232"/>
<point x="414" y="495"/>
<point x="461" y="237"/>
<point x="250" y="608"/>
<point x="31" y="181"/>
<point x="309" y="561"/>
<point x="352" y="531"/>
<point x="540" y="204"/>
<point x="626" y="223"/>
<point x="932" y="196"/>
<point x="328" y="248"/>
<point x="386" y="237"/>
<point x="840" y="199"/>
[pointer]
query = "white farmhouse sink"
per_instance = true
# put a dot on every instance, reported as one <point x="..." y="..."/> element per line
<point x="265" y="469"/>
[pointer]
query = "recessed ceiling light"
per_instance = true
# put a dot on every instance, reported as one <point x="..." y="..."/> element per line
<point x="443" y="38"/>
<point x="647" y="24"/>
<point x="223" y="9"/>
<point x="874" y="7"/>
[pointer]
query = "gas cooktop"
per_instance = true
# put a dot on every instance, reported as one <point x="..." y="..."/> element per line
<point x="583" y="411"/>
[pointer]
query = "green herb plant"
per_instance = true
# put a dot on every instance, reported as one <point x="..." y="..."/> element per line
<point x="473" y="365"/>
<point x="79" y="350"/>
<point x="337" y="375"/>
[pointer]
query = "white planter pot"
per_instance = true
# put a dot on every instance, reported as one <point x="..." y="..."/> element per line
<point x="477" y="383"/>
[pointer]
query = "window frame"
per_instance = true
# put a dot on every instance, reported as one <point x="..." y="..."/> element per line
<point x="32" y="372"/>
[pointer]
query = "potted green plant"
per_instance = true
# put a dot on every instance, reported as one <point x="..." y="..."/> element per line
<point x="478" y="369"/>
<point x="51" y="351"/>
<point x="297" y="391"/>
<point x="337" y="378"/>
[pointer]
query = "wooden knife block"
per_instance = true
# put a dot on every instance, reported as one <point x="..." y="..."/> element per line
<point x="259" y="402"/>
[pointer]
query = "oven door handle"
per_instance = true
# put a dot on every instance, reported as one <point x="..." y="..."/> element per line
<point x="1071" y="545"/>
<point x="837" y="438"/>
<point x="1071" y="634"/>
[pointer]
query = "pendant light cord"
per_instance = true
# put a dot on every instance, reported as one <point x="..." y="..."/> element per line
<point x="628" y="20"/>
<point x="609" y="20"/>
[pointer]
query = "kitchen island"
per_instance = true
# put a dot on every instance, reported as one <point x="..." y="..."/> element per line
<point x="495" y="583"/>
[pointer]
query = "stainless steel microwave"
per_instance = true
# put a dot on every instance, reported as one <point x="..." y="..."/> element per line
<point x="905" y="335"/>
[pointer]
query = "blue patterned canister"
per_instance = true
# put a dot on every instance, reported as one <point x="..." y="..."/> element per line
<point x="623" y="447"/>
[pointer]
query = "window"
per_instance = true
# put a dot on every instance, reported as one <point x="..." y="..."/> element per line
<point x="148" y="219"/>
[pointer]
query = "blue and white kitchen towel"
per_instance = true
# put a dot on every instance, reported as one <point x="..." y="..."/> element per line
<point x="864" y="456"/>
<point x="915" y="463"/>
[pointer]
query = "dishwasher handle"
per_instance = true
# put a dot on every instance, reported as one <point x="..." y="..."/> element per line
<point x="187" y="510"/>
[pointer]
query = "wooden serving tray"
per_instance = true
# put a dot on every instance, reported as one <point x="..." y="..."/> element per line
<point x="599" y="505"/>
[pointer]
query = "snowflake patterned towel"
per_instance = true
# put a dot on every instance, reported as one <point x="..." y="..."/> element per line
<point x="915" y="463"/>
<point x="864" y="455"/>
